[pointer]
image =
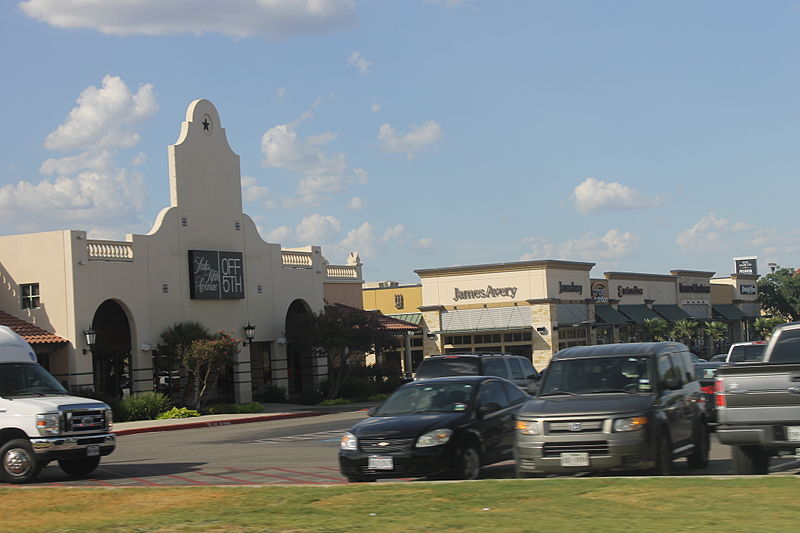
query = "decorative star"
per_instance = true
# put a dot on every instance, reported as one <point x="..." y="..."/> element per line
<point x="206" y="124"/>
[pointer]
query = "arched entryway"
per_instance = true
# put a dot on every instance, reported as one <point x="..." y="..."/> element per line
<point x="111" y="356"/>
<point x="299" y="362"/>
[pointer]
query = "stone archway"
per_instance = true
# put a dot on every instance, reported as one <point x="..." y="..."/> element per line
<point x="299" y="362"/>
<point x="111" y="356"/>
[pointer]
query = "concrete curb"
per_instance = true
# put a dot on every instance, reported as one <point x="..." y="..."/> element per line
<point x="214" y="423"/>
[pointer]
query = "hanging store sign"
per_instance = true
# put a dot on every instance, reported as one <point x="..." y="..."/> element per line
<point x="629" y="291"/>
<point x="599" y="292"/>
<point x="570" y="287"/>
<point x="488" y="292"/>
<point x="747" y="289"/>
<point x="216" y="275"/>
<point x="745" y="265"/>
<point x="694" y="288"/>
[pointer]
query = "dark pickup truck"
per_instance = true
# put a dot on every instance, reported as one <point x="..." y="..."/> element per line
<point x="758" y="403"/>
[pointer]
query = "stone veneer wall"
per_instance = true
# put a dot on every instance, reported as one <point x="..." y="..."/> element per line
<point x="543" y="314"/>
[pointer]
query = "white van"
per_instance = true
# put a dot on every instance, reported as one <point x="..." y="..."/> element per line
<point x="40" y="422"/>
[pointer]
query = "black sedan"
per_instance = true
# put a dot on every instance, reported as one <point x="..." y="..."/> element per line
<point x="450" y="425"/>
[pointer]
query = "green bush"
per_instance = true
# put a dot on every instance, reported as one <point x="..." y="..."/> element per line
<point x="232" y="408"/>
<point x="178" y="412"/>
<point x="377" y="397"/>
<point x="274" y="394"/>
<point x="335" y="401"/>
<point x="144" y="406"/>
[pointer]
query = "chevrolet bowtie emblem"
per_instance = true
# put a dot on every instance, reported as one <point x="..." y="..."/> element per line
<point x="383" y="443"/>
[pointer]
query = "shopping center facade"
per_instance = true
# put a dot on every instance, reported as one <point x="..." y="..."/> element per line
<point x="203" y="261"/>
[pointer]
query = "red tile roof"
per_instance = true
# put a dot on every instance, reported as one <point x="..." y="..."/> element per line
<point x="31" y="333"/>
<point x="386" y="322"/>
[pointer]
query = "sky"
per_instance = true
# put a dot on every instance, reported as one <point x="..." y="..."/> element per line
<point x="641" y="136"/>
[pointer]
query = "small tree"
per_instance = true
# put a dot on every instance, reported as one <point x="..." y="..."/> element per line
<point x="655" y="329"/>
<point x="343" y="336"/>
<point x="204" y="357"/>
<point x="764" y="325"/>
<point x="175" y="340"/>
<point x="684" y="331"/>
<point x="716" y="331"/>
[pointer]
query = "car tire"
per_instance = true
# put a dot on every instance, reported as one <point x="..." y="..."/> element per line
<point x="79" y="467"/>
<point x="468" y="465"/>
<point x="663" y="456"/>
<point x="19" y="463"/>
<point x="750" y="460"/>
<point x="699" y="457"/>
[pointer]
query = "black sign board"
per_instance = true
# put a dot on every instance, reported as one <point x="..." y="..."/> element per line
<point x="745" y="265"/>
<point x="216" y="275"/>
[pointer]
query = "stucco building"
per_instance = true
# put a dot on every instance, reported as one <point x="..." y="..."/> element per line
<point x="203" y="261"/>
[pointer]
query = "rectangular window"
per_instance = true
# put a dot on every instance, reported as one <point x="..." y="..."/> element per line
<point x="398" y="301"/>
<point x="29" y="295"/>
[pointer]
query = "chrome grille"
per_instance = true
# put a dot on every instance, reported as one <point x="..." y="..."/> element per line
<point x="385" y="445"/>
<point x="574" y="426"/>
<point x="555" y="449"/>
<point x="85" y="421"/>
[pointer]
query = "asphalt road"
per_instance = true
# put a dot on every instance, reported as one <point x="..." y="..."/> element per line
<point x="294" y="451"/>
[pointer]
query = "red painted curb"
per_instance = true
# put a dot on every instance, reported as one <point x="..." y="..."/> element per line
<point x="214" y="423"/>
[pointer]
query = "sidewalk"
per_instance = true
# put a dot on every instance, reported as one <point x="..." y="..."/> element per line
<point x="273" y="411"/>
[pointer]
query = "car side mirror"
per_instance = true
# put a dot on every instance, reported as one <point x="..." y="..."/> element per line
<point x="533" y="387"/>
<point x="371" y="411"/>
<point x="488" y="408"/>
<point x="672" y="384"/>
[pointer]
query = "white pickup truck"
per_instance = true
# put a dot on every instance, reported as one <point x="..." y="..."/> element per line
<point x="40" y="422"/>
<point x="758" y="403"/>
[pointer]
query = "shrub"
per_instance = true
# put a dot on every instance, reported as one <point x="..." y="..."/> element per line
<point x="377" y="397"/>
<point x="228" y="408"/>
<point x="335" y="401"/>
<point x="178" y="412"/>
<point x="274" y="394"/>
<point x="144" y="406"/>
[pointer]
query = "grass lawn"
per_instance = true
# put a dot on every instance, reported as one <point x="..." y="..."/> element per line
<point x="553" y="505"/>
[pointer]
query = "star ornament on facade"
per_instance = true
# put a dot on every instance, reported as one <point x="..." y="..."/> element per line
<point x="206" y="124"/>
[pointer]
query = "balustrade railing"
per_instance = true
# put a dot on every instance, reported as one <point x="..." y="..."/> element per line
<point x="110" y="250"/>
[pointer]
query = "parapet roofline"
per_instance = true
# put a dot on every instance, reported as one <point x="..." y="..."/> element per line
<point x="505" y="267"/>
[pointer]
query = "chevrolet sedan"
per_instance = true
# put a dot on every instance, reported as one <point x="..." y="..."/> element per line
<point x="449" y="426"/>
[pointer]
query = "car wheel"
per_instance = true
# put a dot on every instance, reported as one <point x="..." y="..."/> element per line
<point x="79" y="467"/>
<point x="19" y="462"/>
<point x="699" y="458"/>
<point x="750" y="460"/>
<point x="469" y="463"/>
<point x="663" y="457"/>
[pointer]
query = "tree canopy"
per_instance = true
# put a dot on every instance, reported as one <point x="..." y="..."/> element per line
<point x="779" y="293"/>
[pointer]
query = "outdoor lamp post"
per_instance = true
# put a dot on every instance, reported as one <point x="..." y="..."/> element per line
<point x="91" y="338"/>
<point x="249" y="334"/>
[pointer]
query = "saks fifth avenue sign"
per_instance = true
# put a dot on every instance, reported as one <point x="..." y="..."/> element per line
<point x="488" y="292"/>
<point x="694" y="287"/>
<point x="216" y="275"/>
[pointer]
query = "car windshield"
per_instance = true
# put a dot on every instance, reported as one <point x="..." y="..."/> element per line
<point x="597" y="375"/>
<point x="27" y="379"/>
<point x="437" y="367"/>
<point x="428" y="398"/>
<point x="746" y="352"/>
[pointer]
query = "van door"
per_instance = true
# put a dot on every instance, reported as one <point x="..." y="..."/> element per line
<point x="671" y="401"/>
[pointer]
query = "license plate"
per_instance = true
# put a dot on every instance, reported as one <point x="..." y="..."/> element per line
<point x="92" y="451"/>
<point x="793" y="432"/>
<point x="380" y="463"/>
<point x="574" y="459"/>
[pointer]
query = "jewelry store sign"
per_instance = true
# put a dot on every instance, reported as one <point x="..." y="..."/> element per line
<point x="216" y="275"/>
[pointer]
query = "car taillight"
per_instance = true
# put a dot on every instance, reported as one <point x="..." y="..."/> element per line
<point x="708" y="389"/>
<point x="719" y="393"/>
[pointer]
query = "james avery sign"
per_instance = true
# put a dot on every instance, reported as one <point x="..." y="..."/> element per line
<point x="216" y="275"/>
<point x="488" y="292"/>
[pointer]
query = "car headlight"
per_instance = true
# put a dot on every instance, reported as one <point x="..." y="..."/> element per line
<point x="48" y="424"/>
<point x="348" y="442"/>
<point x="528" y="428"/>
<point x="629" y="424"/>
<point x="109" y="419"/>
<point x="434" y="438"/>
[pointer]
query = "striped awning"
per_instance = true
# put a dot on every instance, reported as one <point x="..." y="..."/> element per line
<point x="637" y="313"/>
<point x="671" y="313"/>
<point x="728" y="312"/>
<point x="414" y="318"/>
<point x="608" y="315"/>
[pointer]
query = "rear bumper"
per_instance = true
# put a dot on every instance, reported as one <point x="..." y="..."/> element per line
<point x="772" y="437"/>
<point x="73" y="447"/>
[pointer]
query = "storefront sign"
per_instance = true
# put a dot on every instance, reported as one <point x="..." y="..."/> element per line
<point x="745" y="265"/>
<point x="629" y="291"/>
<point x="599" y="292"/>
<point x="488" y="292"/>
<point x="216" y="275"/>
<point x="571" y="287"/>
<point x="747" y="289"/>
<point x="694" y="288"/>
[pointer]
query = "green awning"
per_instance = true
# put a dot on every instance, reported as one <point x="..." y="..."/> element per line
<point x="609" y="315"/>
<point x="637" y="313"/>
<point x="672" y="313"/>
<point x="414" y="318"/>
<point x="728" y="312"/>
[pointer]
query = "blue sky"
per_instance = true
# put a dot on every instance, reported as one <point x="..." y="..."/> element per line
<point x="643" y="136"/>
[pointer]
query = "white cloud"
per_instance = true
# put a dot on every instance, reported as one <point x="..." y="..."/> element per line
<point x="273" y="19"/>
<point x="613" y="245"/>
<point x="280" y="234"/>
<point x="356" y="204"/>
<point x="280" y="94"/>
<point x="419" y="138"/>
<point x="597" y="195"/>
<point x="98" y="161"/>
<point x="104" y="117"/>
<point x="424" y="245"/>
<point x="361" y="239"/>
<point x="394" y="234"/>
<point x="252" y="193"/>
<point x="449" y="4"/>
<point x="138" y="160"/>
<point x="357" y="60"/>
<point x="713" y="234"/>
<point x="315" y="229"/>
<point x="376" y="106"/>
